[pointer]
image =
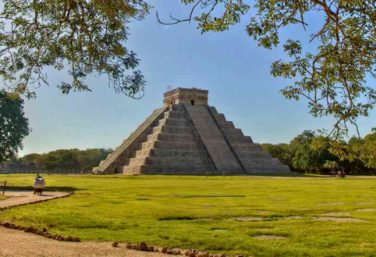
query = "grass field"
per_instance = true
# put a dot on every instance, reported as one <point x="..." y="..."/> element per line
<point x="259" y="216"/>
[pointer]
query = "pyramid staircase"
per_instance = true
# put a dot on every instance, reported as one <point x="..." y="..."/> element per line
<point x="173" y="147"/>
<point x="189" y="139"/>
<point x="250" y="155"/>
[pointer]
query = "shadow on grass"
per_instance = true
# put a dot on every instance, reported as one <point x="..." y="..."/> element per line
<point x="173" y="218"/>
<point x="52" y="188"/>
<point x="208" y="196"/>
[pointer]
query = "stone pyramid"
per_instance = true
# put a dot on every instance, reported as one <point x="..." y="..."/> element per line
<point x="186" y="136"/>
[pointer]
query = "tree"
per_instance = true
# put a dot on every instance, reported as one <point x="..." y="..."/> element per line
<point x="368" y="151"/>
<point x="331" y="165"/>
<point x="90" y="158"/>
<point x="64" y="159"/>
<point x="320" y="145"/>
<point x="311" y="152"/>
<point x="13" y="125"/>
<point x="72" y="160"/>
<point x="333" y="78"/>
<point x="84" y="37"/>
<point x="305" y="159"/>
<point x="32" y="159"/>
<point x="349" y="154"/>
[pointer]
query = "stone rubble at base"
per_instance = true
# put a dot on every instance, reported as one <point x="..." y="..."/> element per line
<point x="187" y="136"/>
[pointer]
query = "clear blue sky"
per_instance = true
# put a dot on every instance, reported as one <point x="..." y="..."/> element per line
<point x="230" y="65"/>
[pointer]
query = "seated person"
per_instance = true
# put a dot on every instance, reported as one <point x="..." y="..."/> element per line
<point x="39" y="185"/>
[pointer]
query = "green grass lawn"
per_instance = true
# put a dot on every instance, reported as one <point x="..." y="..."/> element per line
<point x="259" y="216"/>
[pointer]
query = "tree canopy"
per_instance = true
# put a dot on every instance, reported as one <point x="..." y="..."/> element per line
<point x="77" y="36"/>
<point x="89" y="37"/>
<point x="336" y="77"/>
<point x="313" y="153"/>
<point x="13" y="124"/>
<point x="72" y="160"/>
<point x="357" y="150"/>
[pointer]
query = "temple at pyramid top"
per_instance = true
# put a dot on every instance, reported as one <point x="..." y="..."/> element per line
<point x="192" y="96"/>
<point x="187" y="136"/>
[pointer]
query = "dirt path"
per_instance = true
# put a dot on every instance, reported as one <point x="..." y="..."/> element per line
<point x="26" y="197"/>
<point x="16" y="243"/>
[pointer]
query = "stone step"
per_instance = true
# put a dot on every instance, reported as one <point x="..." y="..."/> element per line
<point x="156" y="169"/>
<point x="173" y="153"/>
<point x="220" y="117"/>
<point x="159" y="152"/>
<point x="173" y="129"/>
<point x="171" y="137"/>
<point x="136" y="161"/>
<point x="213" y="109"/>
<point x="245" y="146"/>
<point x="260" y="160"/>
<point x="167" y="161"/>
<point x="147" y="145"/>
<point x="178" y="108"/>
<point x="235" y="139"/>
<point x="160" y="148"/>
<point x="253" y="155"/>
<point x="174" y="122"/>
<point x="187" y="145"/>
<point x="233" y="133"/>
<point x="250" y="153"/>
<point x="226" y="125"/>
<point x="175" y="114"/>
<point x="142" y="153"/>
<point x="180" y="170"/>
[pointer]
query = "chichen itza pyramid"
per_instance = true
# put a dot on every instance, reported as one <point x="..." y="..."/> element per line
<point x="187" y="136"/>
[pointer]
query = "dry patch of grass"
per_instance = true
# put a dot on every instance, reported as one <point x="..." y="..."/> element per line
<point x="269" y="237"/>
<point x="367" y="210"/>
<point x="266" y="218"/>
<point x="336" y="214"/>
<point x="331" y="204"/>
<point x="339" y="219"/>
<point x="249" y="218"/>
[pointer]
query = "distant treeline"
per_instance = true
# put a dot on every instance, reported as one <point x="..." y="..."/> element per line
<point x="312" y="153"/>
<point x="306" y="153"/>
<point x="73" y="160"/>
